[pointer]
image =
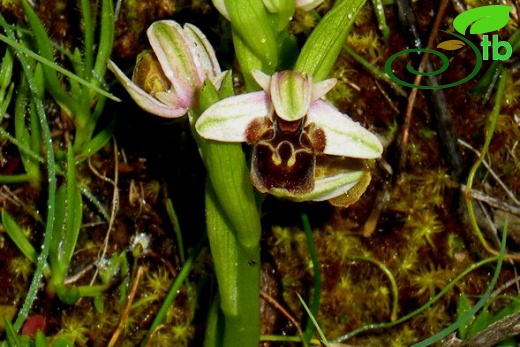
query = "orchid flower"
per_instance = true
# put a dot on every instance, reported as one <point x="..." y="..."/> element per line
<point x="289" y="125"/>
<point x="166" y="81"/>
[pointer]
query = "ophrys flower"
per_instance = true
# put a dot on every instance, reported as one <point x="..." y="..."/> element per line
<point x="289" y="125"/>
<point x="166" y="81"/>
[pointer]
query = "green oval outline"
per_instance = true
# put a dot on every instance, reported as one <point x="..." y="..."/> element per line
<point x="476" y="69"/>
<point x="444" y="67"/>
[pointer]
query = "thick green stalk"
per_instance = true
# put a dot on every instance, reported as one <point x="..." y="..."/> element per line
<point x="233" y="225"/>
<point x="237" y="269"/>
<point x="229" y="174"/>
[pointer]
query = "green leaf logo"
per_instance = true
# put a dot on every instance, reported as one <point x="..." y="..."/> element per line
<point x="482" y="19"/>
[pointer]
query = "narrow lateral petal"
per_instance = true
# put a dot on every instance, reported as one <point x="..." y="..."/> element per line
<point x="228" y="119"/>
<point x="263" y="80"/>
<point x="343" y="136"/>
<point x="145" y="100"/>
<point x="321" y="88"/>
<point x="291" y="93"/>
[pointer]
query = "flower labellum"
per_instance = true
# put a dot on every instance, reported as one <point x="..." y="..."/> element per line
<point x="167" y="79"/>
<point x="289" y="125"/>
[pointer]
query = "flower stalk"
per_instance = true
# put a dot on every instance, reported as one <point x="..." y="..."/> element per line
<point x="181" y="76"/>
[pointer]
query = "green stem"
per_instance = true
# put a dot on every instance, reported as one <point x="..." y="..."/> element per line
<point x="237" y="268"/>
<point x="421" y="309"/>
<point x="174" y="290"/>
<point x="393" y="283"/>
<point x="88" y="46"/>
<point x="471" y="176"/>
<point x="234" y="230"/>
<point x="12" y="179"/>
<point x="21" y="146"/>
<point x="471" y="313"/>
<point x="315" y="303"/>
<point x="229" y="173"/>
<point x="176" y="228"/>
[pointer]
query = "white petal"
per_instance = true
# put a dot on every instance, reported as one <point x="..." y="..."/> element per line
<point x="145" y="100"/>
<point x="343" y="136"/>
<point x="263" y="79"/>
<point x="321" y="88"/>
<point x="228" y="119"/>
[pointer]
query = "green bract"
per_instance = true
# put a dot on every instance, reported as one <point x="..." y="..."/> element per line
<point x="322" y="48"/>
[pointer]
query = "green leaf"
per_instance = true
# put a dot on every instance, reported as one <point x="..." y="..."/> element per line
<point x="40" y="339"/>
<point x="481" y="322"/>
<point x="51" y="178"/>
<point x="12" y="42"/>
<point x="88" y="30"/>
<point x="106" y="37"/>
<point x="482" y="19"/>
<point x="17" y="236"/>
<point x="62" y="341"/>
<point x="28" y="136"/>
<point x="6" y="71"/>
<point x="281" y="13"/>
<point x="324" y="44"/>
<point x="314" y="322"/>
<point x="463" y="306"/>
<point x="68" y="221"/>
<point x="12" y="337"/>
<point x="98" y="141"/>
<point x="45" y="50"/>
